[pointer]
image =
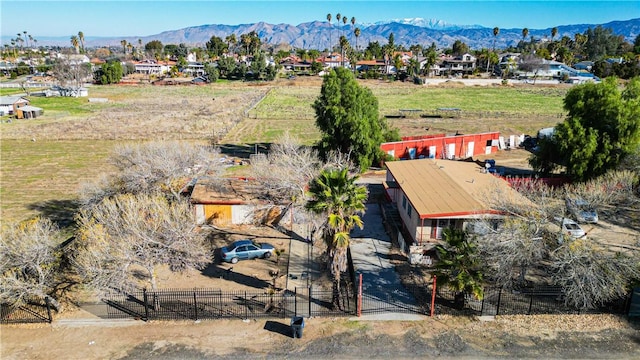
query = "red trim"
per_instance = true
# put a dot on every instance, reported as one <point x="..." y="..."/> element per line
<point x="218" y="202"/>
<point x="459" y="213"/>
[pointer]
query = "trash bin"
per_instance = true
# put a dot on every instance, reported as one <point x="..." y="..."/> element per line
<point x="297" y="324"/>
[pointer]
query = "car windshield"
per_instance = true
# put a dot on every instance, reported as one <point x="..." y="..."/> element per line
<point x="571" y="226"/>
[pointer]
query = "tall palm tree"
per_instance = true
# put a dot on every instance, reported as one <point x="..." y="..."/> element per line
<point x="74" y="42"/>
<point x="338" y="17"/>
<point x="124" y="45"/>
<point x="525" y="33"/>
<point x="357" y="32"/>
<point x="231" y="41"/>
<point x="496" y="31"/>
<point x="81" y="38"/>
<point x="353" y="22"/>
<point x="31" y="38"/>
<point x="329" y="20"/>
<point x="335" y="194"/>
<point x="554" y="32"/>
<point x="344" y="22"/>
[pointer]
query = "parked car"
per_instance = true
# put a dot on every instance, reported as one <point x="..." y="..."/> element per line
<point x="246" y="249"/>
<point x="582" y="210"/>
<point x="571" y="228"/>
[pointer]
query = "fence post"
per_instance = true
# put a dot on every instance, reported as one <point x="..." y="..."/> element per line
<point x="195" y="304"/>
<point x="499" y="297"/>
<point x="310" y="288"/>
<point x="359" y="305"/>
<point x="433" y="296"/>
<point x="46" y="301"/>
<point x="146" y="304"/>
<point x="530" y="304"/>
<point x="246" y="306"/>
<point x="295" y="301"/>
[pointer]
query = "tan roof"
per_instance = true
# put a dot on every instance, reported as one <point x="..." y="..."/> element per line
<point x="447" y="188"/>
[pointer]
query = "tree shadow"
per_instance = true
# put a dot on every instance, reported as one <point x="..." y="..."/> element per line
<point x="60" y="212"/>
<point x="216" y="270"/>
<point x="244" y="151"/>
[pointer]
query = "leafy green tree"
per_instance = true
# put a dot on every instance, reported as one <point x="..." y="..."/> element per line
<point x="216" y="46"/>
<point x="154" y="47"/>
<point x="110" y="73"/>
<point x="459" y="267"/>
<point x="212" y="72"/>
<point x="460" y="48"/>
<point x="601" y="42"/>
<point x="602" y="127"/>
<point x="226" y="66"/>
<point x="334" y="193"/>
<point x="347" y="115"/>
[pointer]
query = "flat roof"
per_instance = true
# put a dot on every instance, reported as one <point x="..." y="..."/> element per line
<point x="447" y="188"/>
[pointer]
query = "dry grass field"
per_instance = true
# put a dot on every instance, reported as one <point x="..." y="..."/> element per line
<point x="45" y="160"/>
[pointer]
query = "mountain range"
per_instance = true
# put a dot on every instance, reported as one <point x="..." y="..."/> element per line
<point x="319" y="34"/>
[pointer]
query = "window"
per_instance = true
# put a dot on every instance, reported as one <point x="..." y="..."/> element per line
<point x="404" y="201"/>
<point x="409" y="211"/>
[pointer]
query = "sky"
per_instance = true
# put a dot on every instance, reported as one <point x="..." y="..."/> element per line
<point x="149" y="17"/>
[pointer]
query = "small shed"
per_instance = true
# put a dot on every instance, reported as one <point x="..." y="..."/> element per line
<point x="28" y="112"/>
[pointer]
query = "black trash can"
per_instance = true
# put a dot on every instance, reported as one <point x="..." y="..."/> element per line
<point x="297" y="324"/>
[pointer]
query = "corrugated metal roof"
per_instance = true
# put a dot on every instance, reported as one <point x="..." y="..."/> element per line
<point x="447" y="188"/>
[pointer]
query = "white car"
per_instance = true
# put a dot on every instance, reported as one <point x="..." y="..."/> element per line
<point x="571" y="228"/>
<point x="582" y="210"/>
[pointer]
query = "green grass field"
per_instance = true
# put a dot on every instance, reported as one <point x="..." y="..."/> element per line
<point x="74" y="137"/>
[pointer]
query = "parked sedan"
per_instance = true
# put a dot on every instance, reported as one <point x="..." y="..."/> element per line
<point x="246" y="249"/>
<point x="571" y="228"/>
<point x="582" y="210"/>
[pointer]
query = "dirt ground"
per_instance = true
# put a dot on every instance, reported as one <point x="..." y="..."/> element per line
<point x="535" y="337"/>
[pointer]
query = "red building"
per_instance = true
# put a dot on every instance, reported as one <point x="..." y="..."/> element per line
<point x="441" y="146"/>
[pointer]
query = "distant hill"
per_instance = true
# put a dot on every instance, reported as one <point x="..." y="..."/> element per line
<point x="316" y="34"/>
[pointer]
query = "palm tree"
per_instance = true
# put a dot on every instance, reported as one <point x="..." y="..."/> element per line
<point x="231" y="40"/>
<point x="430" y="60"/>
<point x="554" y="32"/>
<point x="338" y="17"/>
<point x="31" y="38"/>
<point x="353" y="22"/>
<point x="329" y="20"/>
<point x="75" y="43"/>
<point x="335" y="194"/>
<point x="356" y="32"/>
<point x="459" y="268"/>
<point x="496" y="31"/>
<point x="124" y="45"/>
<point x="344" y="22"/>
<point x="81" y="37"/>
<point x="525" y="33"/>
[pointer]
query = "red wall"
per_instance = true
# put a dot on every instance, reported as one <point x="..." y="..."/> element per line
<point x="422" y="144"/>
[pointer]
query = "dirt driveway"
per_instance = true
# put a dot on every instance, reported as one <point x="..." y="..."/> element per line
<point x="537" y="337"/>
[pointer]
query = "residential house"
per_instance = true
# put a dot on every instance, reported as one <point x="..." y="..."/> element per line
<point x="153" y="67"/>
<point x="227" y="201"/>
<point x="432" y="195"/>
<point x="458" y="65"/>
<point x="18" y="106"/>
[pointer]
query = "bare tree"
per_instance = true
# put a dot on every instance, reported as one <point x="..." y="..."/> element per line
<point x="286" y="170"/>
<point x="591" y="276"/>
<point x="523" y="237"/>
<point x="152" y="167"/>
<point x="71" y="75"/>
<point x="128" y="236"/>
<point x="612" y="188"/>
<point x="29" y="261"/>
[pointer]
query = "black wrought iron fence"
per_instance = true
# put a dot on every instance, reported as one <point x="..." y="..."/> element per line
<point x="195" y="304"/>
<point x="29" y="312"/>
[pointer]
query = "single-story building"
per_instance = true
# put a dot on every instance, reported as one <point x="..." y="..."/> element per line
<point x="434" y="194"/>
<point x="443" y="146"/>
<point x="231" y="201"/>
<point x="18" y="106"/>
